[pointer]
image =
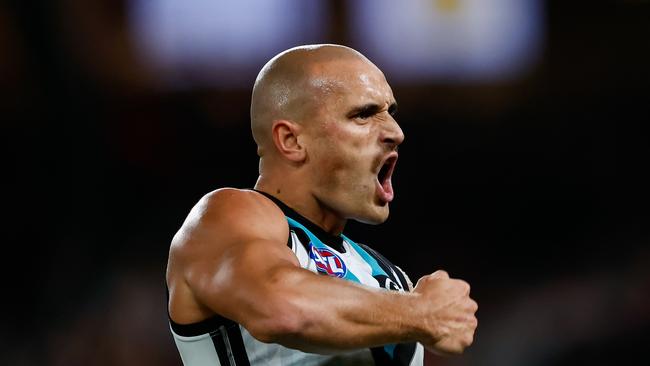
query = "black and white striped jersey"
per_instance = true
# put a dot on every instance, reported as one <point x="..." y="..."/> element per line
<point x="220" y="341"/>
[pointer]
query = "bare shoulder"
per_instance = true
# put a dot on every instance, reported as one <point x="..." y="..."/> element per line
<point x="220" y="231"/>
<point x="229" y="215"/>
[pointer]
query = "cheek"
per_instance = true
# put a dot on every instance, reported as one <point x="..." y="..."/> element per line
<point x="348" y="137"/>
<point x="345" y="171"/>
<point x="335" y="165"/>
<point x="344" y="151"/>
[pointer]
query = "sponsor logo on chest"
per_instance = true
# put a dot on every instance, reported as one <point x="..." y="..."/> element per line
<point x="328" y="262"/>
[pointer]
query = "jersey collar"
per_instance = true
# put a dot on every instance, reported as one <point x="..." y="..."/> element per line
<point x="334" y="241"/>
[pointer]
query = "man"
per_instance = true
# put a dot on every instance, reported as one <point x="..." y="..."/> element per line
<point x="266" y="277"/>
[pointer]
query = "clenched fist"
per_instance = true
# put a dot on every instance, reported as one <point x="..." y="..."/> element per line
<point x="448" y="313"/>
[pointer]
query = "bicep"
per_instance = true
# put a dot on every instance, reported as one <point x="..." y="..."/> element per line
<point x="236" y="281"/>
<point x="240" y="264"/>
<point x="234" y="256"/>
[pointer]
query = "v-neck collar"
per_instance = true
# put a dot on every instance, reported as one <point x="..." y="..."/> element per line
<point x="334" y="241"/>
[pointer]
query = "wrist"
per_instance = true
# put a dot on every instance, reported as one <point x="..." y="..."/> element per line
<point x="414" y="321"/>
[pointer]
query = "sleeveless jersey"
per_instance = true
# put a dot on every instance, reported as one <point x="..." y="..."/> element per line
<point x="221" y="342"/>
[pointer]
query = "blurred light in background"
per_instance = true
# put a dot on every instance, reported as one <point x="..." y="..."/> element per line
<point x="215" y="43"/>
<point x="449" y="40"/>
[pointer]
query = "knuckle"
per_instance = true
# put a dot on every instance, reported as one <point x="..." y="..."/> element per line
<point x="473" y="306"/>
<point x="464" y="286"/>
<point x="468" y="340"/>
<point x="473" y="322"/>
<point x="441" y="273"/>
<point x="423" y="281"/>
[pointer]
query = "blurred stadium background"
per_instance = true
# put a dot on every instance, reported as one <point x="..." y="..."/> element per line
<point x="524" y="171"/>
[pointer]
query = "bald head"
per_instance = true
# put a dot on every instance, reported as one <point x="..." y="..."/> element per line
<point x="292" y="83"/>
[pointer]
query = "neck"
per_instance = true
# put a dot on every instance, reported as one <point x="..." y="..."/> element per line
<point x="301" y="199"/>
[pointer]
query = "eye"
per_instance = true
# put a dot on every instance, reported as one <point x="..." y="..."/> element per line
<point x="392" y="110"/>
<point x="369" y="110"/>
<point x="365" y="114"/>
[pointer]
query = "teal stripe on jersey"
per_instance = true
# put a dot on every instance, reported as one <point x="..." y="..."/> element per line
<point x="314" y="241"/>
<point x="376" y="269"/>
<point x="390" y="349"/>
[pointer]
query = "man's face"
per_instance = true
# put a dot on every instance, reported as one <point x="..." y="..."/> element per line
<point x="353" y="141"/>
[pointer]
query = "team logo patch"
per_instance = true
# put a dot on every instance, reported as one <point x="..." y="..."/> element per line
<point x="328" y="262"/>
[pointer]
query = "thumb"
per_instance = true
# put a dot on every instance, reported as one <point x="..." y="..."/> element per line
<point x="440" y="274"/>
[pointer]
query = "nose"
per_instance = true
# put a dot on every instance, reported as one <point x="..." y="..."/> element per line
<point x="392" y="134"/>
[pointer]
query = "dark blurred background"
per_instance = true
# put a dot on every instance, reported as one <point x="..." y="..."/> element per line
<point x="524" y="170"/>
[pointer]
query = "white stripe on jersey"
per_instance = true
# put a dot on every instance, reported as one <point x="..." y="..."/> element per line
<point x="300" y="251"/>
<point x="197" y="350"/>
<point x="358" y="266"/>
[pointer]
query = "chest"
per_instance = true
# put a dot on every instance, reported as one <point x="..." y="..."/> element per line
<point x="350" y="262"/>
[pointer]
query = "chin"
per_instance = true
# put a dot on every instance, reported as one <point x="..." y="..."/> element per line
<point x="377" y="217"/>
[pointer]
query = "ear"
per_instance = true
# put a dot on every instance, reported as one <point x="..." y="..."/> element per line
<point x="285" y="137"/>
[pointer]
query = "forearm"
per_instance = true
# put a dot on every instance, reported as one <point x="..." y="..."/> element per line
<point x="324" y="314"/>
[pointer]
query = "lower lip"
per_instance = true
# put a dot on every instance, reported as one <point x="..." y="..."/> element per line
<point x="385" y="194"/>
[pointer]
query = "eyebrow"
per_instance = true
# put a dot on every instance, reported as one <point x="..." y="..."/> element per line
<point x="372" y="108"/>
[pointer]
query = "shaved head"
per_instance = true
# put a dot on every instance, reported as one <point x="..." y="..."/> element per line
<point x="322" y="118"/>
<point x="291" y="85"/>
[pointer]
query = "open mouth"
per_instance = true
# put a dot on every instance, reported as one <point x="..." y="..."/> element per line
<point x="385" y="188"/>
<point x="386" y="170"/>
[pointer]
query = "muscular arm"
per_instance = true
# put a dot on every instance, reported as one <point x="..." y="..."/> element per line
<point x="231" y="258"/>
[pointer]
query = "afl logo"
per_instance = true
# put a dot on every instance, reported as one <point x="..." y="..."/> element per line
<point x="328" y="262"/>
